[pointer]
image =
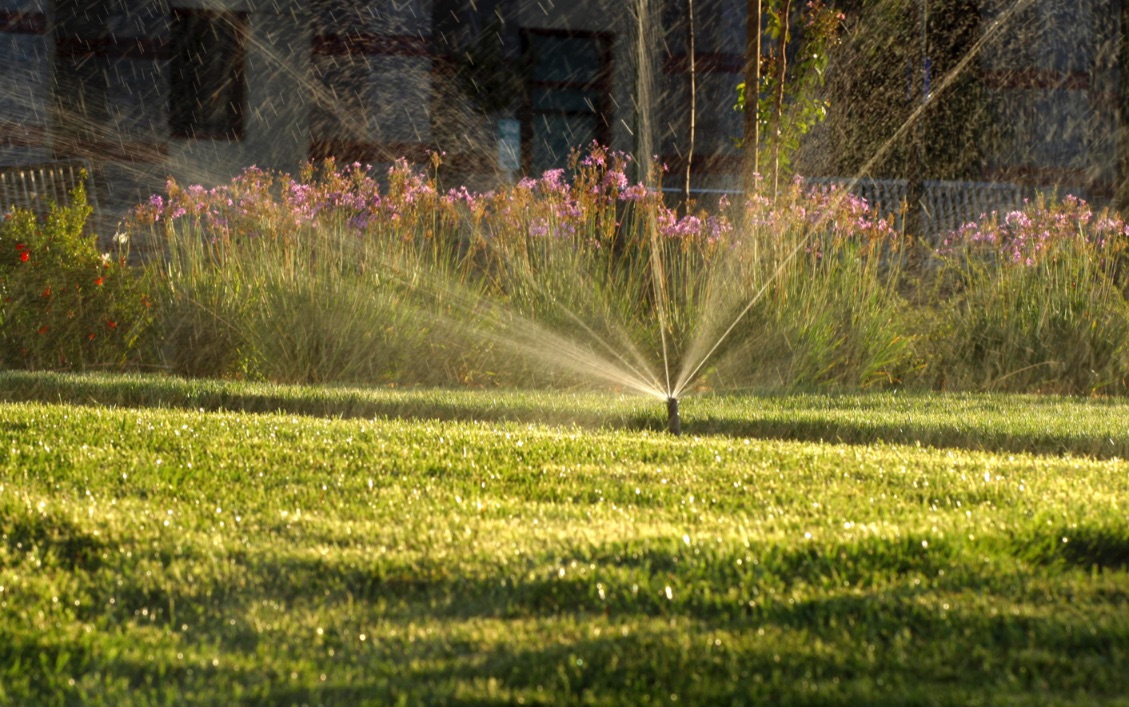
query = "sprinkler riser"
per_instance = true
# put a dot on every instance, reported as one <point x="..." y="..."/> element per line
<point x="673" y="419"/>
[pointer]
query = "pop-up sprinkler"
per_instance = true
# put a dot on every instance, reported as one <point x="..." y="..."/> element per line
<point x="673" y="420"/>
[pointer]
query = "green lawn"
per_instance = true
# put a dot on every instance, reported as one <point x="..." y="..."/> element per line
<point x="167" y="541"/>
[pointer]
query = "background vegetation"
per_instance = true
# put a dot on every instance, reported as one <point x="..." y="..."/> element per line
<point x="581" y="278"/>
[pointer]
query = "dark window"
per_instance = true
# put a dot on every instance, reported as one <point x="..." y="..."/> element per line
<point x="207" y="74"/>
<point x="568" y="81"/>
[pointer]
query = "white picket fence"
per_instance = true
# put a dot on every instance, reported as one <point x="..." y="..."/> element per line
<point x="35" y="187"/>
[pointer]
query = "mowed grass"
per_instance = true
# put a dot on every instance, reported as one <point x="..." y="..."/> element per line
<point x="161" y="544"/>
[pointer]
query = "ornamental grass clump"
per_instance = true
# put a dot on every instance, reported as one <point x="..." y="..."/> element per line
<point x="344" y="274"/>
<point x="599" y="262"/>
<point x="302" y="280"/>
<point x="819" y="274"/>
<point x="1035" y="302"/>
<point x="64" y="304"/>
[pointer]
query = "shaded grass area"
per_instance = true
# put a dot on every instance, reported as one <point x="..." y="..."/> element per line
<point x="1097" y="427"/>
<point x="1041" y="424"/>
<point x="167" y="555"/>
<point x="491" y="405"/>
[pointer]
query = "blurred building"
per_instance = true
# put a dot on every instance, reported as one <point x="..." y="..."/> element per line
<point x="1031" y="92"/>
<point x="200" y="89"/>
<point x="1058" y="73"/>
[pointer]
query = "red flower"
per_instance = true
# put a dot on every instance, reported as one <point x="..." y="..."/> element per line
<point x="21" y="247"/>
<point x="90" y="336"/>
<point x="111" y="324"/>
<point x="98" y="281"/>
<point x="47" y="292"/>
<point x="24" y="257"/>
<point x="44" y="329"/>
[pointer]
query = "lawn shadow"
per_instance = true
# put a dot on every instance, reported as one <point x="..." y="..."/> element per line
<point x="458" y="405"/>
<point x="814" y="418"/>
<point x="939" y="436"/>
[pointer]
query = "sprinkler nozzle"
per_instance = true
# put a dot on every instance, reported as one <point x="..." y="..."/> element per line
<point x="673" y="420"/>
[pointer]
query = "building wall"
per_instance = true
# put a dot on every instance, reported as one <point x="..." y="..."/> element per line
<point x="354" y="80"/>
<point x="373" y="81"/>
<point x="719" y="67"/>
<point x="91" y="79"/>
<point x="652" y="122"/>
<point x="1052" y="69"/>
<point x="25" y="56"/>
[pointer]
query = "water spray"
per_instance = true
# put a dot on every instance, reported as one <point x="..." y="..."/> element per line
<point x="673" y="419"/>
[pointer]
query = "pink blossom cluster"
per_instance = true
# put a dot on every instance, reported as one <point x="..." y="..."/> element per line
<point x="1024" y="236"/>
<point x="593" y="203"/>
<point x="828" y="216"/>
<point x="261" y="203"/>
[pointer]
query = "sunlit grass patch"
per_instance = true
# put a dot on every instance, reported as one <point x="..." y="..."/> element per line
<point x="171" y="554"/>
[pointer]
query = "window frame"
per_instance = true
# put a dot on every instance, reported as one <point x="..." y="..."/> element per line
<point x="601" y="85"/>
<point x="193" y="116"/>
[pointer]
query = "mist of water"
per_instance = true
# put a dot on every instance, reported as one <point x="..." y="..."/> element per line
<point x="1018" y="93"/>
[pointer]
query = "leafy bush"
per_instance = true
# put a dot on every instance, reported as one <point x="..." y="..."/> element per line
<point x="820" y="276"/>
<point x="64" y="304"/>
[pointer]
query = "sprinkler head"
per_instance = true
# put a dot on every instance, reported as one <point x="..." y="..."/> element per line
<point x="673" y="420"/>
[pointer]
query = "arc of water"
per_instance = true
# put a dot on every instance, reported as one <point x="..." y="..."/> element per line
<point x="644" y="375"/>
<point x="879" y="154"/>
<point x="685" y="380"/>
<point x="658" y="280"/>
<point x="639" y="369"/>
<point x="543" y="343"/>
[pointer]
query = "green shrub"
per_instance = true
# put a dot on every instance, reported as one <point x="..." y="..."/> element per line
<point x="65" y="305"/>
